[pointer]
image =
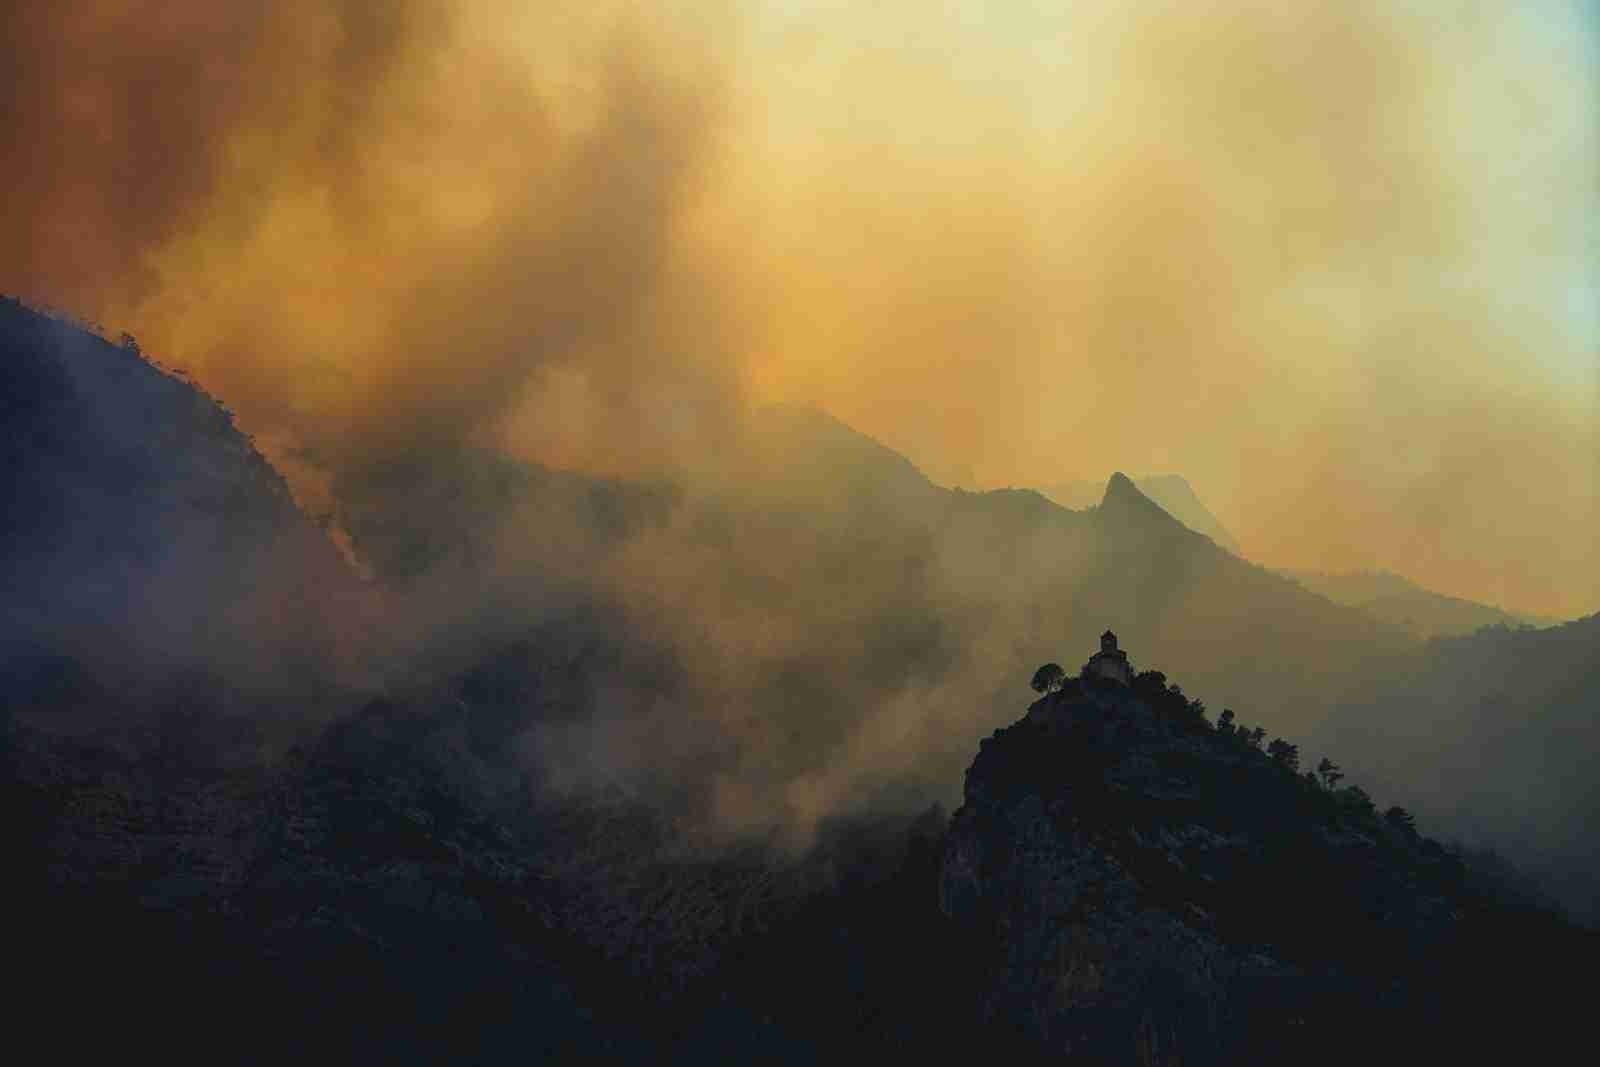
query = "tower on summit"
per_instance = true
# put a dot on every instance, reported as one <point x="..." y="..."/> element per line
<point x="1110" y="662"/>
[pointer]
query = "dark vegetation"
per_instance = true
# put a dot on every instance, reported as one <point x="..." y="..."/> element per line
<point x="1403" y="603"/>
<point x="1386" y="943"/>
<point x="1492" y="737"/>
<point x="369" y="896"/>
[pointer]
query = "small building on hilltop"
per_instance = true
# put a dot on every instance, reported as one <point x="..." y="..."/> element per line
<point x="1110" y="662"/>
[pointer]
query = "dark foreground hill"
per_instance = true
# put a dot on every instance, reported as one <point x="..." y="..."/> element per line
<point x="1124" y="884"/>
<point x="1149" y="888"/>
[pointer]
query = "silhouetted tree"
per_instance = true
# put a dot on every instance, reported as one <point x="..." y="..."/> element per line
<point x="1048" y="679"/>
<point x="1356" y="797"/>
<point x="1225" y="722"/>
<point x="1400" y="819"/>
<point x="1253" y="738"/>
<point x="1284" y="754"/>
<point x="1329" y="772"/>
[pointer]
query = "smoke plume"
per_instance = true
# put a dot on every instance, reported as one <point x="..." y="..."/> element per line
<point x="1334" y="261"/>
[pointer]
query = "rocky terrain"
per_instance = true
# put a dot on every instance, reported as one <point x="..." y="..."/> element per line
<point x="1152" y="889"/>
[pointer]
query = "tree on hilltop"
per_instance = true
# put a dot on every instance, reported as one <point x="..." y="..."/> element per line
<point x="1329" y="772"/>
<point x="1400" y="819"/>
<point x="1048" y="679"/>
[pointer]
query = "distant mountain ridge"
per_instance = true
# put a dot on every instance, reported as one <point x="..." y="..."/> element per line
<point x="1496" y="730"/>
<point x="1171" y="491"/>
<point x="1398" y="600"/>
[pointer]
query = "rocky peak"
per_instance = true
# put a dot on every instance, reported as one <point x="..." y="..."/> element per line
<point x="1125" y="508"/>
<point x="1147" y="882"/>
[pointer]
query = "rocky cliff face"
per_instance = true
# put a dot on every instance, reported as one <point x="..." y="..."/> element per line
<point x="1152" y="890"/>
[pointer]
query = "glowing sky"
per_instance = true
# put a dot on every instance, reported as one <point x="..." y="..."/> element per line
<point x="1334" y="262"/>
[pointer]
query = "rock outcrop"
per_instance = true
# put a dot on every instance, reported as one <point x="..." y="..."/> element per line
<point x="1153" y="890"/>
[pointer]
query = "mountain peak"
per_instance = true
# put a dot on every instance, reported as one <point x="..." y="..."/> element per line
<point x="1120" y="483"/>
<point x="1124" y="505"/>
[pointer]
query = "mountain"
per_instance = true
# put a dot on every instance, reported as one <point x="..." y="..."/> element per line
<point x="144" y="532"/>
<point x="650" y="769"/>
<point x="763" y="632"/>
<point x="1401" y="602"/>
<point x="821" y="581"/>
<point x="1150" y="888"/>
<point x="1124" y="883"/>
<point x="1494" y="734"/>
<point x="1171" y="491"/>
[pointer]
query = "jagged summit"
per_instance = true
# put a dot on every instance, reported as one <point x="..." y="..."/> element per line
<point x="1171" y="491"/>
<point x="1125" y="507"/>
<point x="1178" y="499"/>
<point x="1120" y="483"/>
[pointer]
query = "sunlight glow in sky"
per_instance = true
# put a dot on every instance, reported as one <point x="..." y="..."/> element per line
<point x="1334" y="262"/>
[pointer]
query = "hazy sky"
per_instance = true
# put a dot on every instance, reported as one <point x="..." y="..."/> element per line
<point x="1337" y="263"/>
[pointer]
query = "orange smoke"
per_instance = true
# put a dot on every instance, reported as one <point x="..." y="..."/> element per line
<point x="1331" y="261"/>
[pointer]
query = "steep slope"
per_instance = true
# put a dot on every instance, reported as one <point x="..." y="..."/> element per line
<point x="1171" y="491"/>
<point x="1153" y="890"/>
<point x="1227" y="626"/>
<point x="1178" y="499"/>
<point x="145" y="534"/>
<point x="1494" y="734"/>
<point x="1401" y="602"/>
